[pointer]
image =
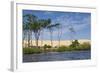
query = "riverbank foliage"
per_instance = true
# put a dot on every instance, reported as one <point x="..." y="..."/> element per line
<point x="75" y="46"/>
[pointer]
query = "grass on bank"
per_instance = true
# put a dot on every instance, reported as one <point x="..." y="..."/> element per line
<point x="32" y="50"/>
<point x="81" y="47"/>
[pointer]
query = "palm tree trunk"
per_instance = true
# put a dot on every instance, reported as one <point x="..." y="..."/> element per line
<point x="31" y="39"/>
<point x="59" y="42"/>
<point x="51" y="38"/>
<point x="41" y="38"/>
<point x="28" y="39"/>
<point x="59" y="36"/>
<point x="23" y="38"/>
<point x="37" y="39"/>
<point x="36" y="43"/>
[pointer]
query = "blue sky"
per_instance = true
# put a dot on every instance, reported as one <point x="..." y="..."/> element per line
<point x="80" y="22"/>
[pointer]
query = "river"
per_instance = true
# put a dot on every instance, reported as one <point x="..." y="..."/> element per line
<point x="57" y="56"/>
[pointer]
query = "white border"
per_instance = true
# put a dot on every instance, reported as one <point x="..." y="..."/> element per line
<point x="17" y="38"/>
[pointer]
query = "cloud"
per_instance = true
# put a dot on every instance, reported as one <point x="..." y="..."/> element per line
<point x="78" y="22"/>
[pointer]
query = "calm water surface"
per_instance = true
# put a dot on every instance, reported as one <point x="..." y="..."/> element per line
<point x="57" y="56"/>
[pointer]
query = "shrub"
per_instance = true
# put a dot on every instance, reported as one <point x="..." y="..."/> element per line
<point x="47" y="46"/>
<point x="75" y="43"/>
<point x="85" y="46"/>
<point x="62" y="49"/>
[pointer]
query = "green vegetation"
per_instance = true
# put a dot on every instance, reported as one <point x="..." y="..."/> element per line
<point x="46" y="46"/>
<point x="75" y="46"/>
<point x="81" y="47"/>
<point x="32" y="50"/>
<point x="75" y="43"/>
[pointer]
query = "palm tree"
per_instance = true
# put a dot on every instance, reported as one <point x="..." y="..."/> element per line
<point x="36" y="29"/>
<point x="45" y="24"/>
<point x="38" y="26"/>
<point x="73" y="32"/>
<point x="51" y="28"/>
<point x="59" y="32"/>
<point x="24" y="33"/>
<point x="29" y="19"/>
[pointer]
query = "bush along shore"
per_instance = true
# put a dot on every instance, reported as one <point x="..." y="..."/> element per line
<point x="75" y="46"/>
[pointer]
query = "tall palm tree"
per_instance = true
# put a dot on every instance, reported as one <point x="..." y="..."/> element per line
<point x="51" y="28"/>
<point x="73" y="32"/>
<point x="44" y="24"/>
<point x="25" y="32"/>
<point x="29" y="19"/>
<point x="59" y="27"/>
<point x="36" y="29"/>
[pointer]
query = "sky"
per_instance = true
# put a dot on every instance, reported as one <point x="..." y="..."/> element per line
<point x="79" y="21"/>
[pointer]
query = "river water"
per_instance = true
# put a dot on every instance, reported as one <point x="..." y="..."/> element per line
<point x="57" y="56"/>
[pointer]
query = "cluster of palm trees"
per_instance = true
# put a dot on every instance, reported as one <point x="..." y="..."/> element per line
<point x="32" y="25"/>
